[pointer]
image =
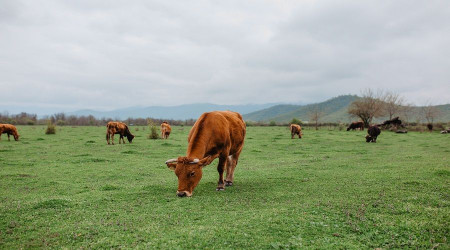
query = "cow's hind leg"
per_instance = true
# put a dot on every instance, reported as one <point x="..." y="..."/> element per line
<point x="8" y="136"/>
<point x="231" y="166"/>
<point x="220" y="169"/>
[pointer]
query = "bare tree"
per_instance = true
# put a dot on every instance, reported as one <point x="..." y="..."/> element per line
<point x="369" y="106"/>
<point x="430" y="113"/>
<point x="392" y="103"/>
<point x="407" y="111"/>
<point x="315" y="113"/>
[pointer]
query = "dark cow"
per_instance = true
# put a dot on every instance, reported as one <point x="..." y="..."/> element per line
<point x="296" y="130"/>
<point x="165" y="130"/>
<point x="356" y="125"/>
<point x="10" y="130"/>
<point x="430" y="127"/>
<point x="373" y="132"/>
<point x="394" y="122"/>
<point x="118" y="128"/>
<point x="217" y="134"/>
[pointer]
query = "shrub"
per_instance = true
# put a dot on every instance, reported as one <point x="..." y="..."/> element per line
<point x="272" y="123"/>
<point x="153" y="130"/>
<point x="249" y="123"/>
<point x="296" y="121"/>
<point x="51" y="128"/>
<point x="60" y="123"/>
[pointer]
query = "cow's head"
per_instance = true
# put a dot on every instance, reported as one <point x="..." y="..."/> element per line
<point x="368" y="138"/>
<point x="189" y="173"/>
<point x="16" y="137"/>
<point x="130" y="138"/>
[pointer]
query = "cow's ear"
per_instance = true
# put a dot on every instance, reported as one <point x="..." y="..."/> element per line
<point x="172" y="164"/>
<point x="205" y="161"/>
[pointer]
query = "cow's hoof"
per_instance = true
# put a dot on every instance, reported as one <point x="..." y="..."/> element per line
<point x="220" y="189"/>
<point x="228" y="183"/>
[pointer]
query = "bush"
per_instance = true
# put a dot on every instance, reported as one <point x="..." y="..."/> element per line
<point x="272" y="123"/>
<point x="296" y="121"/>
<point x="249" y="124"/>
<point x="60" y="123"/>
<point x="51" y="128"/>
<point x="153" y="130"/>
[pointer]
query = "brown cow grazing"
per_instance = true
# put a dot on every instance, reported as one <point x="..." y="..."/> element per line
<point x="217" y="134"/>
<point x="165" y="130"/>
<point x="296" y="130"/>
<point x="10" y="130"/>
<point x="356" y="125"/>
<point x="373" y="132"/>
<point x="118" y="128"/>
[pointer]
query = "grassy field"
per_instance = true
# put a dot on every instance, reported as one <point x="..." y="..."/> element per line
<point x="330" y="189"/>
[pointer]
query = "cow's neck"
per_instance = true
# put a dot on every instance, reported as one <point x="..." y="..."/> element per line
<point x="196" y="152"/>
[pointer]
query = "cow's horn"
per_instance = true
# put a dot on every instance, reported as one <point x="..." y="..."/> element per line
<point x="195" y="160"/>
<point x="171" y="160"/>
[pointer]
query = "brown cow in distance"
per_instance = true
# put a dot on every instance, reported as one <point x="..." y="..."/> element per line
<point x="165" y="130"/>
<point x="296" y="130"/>
<point x="118" y="128"/>
<point x="217" y="134"/>
<point x="356" y="125"/>
<point x="10" y="130"/>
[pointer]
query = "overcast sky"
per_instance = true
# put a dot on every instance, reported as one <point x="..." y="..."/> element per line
<point x="110" y="54"/>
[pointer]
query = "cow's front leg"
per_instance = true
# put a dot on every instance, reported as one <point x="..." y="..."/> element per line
<point x="112" y="139"/>
<point x="220" y="169"/>
<point x="8" y="137"/>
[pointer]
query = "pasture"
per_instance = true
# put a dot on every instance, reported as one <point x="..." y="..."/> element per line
<point x="330" y="189"/>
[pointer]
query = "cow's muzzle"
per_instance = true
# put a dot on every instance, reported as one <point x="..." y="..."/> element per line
<point x="183" y="194"/>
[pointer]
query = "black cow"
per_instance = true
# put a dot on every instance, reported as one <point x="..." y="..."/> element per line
<point x="373" y="132"/>
<point x="356" y="125"/>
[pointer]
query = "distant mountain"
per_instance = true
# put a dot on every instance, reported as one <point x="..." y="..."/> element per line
<point x="181" y="112"/>
<point x="334" y="109"/>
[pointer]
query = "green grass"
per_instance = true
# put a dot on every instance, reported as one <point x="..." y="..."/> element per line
<point x="330" y="189"/>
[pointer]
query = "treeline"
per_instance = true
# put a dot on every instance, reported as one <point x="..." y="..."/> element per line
<point x="61" y="119"/>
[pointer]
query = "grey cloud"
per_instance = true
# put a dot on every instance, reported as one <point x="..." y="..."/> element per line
<point x="100" y="54"/>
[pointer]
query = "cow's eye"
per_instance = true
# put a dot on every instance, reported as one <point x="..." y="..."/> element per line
<point x="191" y="174"/>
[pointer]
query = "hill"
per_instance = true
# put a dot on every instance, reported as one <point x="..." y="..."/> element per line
<point x="181" y="112"/>
<point x="334" y="109"/>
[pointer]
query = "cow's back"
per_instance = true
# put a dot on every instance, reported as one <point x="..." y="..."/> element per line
<point x="8" y="128"/>
<point x="218" y="129"/>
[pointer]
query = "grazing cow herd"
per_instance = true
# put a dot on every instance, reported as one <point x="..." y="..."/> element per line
<point x="217" y="134"/>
